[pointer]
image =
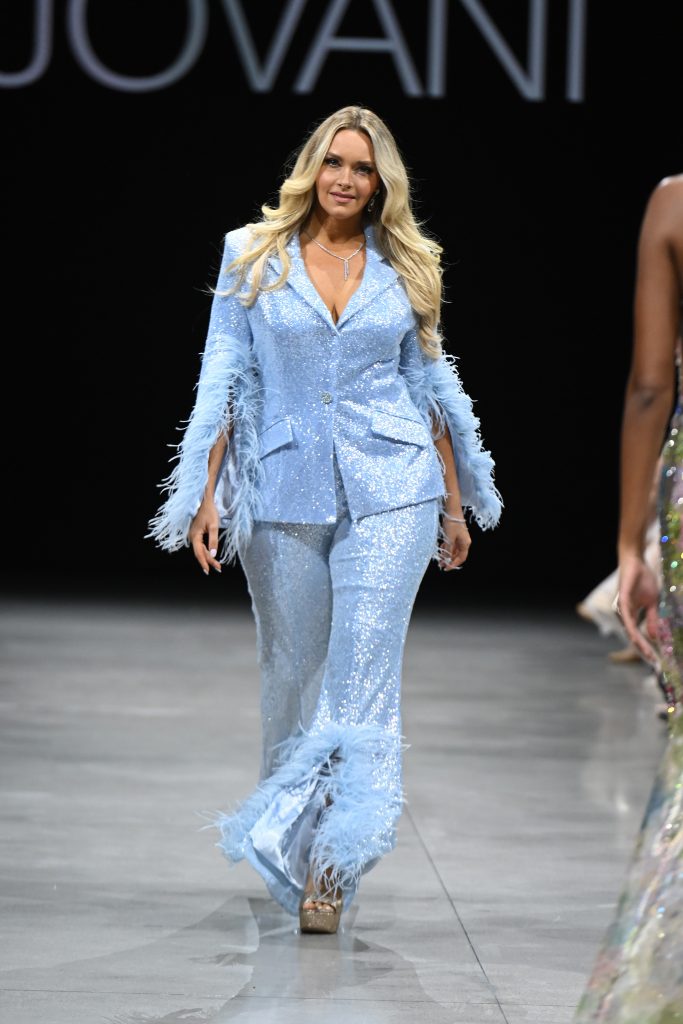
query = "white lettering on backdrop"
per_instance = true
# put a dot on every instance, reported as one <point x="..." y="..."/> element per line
<point x="261" y="73"/>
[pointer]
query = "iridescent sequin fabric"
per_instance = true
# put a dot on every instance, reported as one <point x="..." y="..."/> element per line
<point x="294" y="385"/>
<point x="638" y="975"/>
<point x="332" y="606"/>
<point x="330" y="495"/>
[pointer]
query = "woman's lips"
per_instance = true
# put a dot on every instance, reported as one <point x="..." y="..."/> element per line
<point x="342" y="197"/>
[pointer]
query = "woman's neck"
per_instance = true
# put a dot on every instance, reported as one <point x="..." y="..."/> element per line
<point x="334" y="232"/>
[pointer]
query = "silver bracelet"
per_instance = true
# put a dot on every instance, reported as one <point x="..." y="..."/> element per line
<point x="453" y="519"/>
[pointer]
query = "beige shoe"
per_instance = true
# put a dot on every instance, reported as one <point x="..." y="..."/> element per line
<point x="625" y="655"/>
<point x="320" y="911"/>
<point x="585" y="613"/>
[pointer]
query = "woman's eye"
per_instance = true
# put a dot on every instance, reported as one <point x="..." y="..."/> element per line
<point x="365" y="169"/>
<point x="331" y="161"/>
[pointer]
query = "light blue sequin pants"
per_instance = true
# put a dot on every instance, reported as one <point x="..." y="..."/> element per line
<point x="332" y="605"/>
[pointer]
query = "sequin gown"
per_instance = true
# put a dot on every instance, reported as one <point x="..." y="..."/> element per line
<point x="638" y="975"/>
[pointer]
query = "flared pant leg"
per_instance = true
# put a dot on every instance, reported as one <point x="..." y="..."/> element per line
<point x="376" y="565"/>
<point x="288" y="574"/>
<point x="332" y="605"/>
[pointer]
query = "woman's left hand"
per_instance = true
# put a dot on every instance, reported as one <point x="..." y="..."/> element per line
<point x="638" y="597"/>
<point x="455" y="544"/>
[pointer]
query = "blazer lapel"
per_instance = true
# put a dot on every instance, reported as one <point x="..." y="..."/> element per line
<point x="378" y="275"/>
<point x="298" y="278"/>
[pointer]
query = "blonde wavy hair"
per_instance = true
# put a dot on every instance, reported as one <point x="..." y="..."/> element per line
<point x="412" y="254"/>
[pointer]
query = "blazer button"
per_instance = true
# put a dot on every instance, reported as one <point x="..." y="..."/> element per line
<point x="326" y="397"/>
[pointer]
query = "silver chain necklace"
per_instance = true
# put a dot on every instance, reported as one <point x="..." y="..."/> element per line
<point x="344" y="259"/>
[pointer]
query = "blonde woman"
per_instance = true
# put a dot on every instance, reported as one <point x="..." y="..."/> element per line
<point x="333" y="450"/>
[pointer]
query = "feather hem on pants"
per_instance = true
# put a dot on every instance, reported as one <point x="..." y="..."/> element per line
<point x="327" y="805"/>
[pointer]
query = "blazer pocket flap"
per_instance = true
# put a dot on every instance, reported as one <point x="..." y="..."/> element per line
<point x="275" y="436"/>
<point x="398" y="428"/>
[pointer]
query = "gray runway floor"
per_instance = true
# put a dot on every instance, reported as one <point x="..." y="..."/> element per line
<point x="530" y="762"/>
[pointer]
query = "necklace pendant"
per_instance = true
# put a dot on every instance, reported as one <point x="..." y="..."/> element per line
<point x="346" y="270"/>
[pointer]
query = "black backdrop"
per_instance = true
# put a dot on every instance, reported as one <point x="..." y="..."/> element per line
<point x="117" y="197"/>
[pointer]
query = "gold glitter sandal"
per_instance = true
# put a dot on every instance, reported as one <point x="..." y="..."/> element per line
<point x="323" y="918"/>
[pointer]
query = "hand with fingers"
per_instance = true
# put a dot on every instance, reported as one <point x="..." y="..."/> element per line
<point x="638" y="597"/>
<point x="204" y="536"/>
<point x="455" y="544"/>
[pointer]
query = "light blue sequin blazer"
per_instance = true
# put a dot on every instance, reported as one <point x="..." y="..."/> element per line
<point x="297" y="387"/>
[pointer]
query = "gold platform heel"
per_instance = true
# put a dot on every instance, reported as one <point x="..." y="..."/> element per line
<point x="324" y="918"/>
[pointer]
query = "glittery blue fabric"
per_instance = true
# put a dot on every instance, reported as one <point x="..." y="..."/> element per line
<point x="330" y="495"/>
<point x="296" y="385"/>
<point x="332" y="606"/>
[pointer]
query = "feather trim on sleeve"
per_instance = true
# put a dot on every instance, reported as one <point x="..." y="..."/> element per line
<point x="227" y="394"/>
<point x="437" y="392"/>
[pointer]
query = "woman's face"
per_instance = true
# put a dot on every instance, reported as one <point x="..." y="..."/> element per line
<point x="348" y="178"/>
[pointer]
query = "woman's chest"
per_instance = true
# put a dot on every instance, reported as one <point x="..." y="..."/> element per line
<point x="334" y="278"/>
<point x="300" y="327"/>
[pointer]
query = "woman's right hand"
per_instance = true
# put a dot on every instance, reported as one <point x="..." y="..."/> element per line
<point x="638" y="594"/>
<point x="204" y="536"/>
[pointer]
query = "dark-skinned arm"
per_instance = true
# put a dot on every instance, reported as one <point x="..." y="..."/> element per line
<point x="648" y="400"/>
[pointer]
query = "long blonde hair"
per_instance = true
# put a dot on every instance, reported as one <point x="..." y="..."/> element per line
<point x="412" y="254"/>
